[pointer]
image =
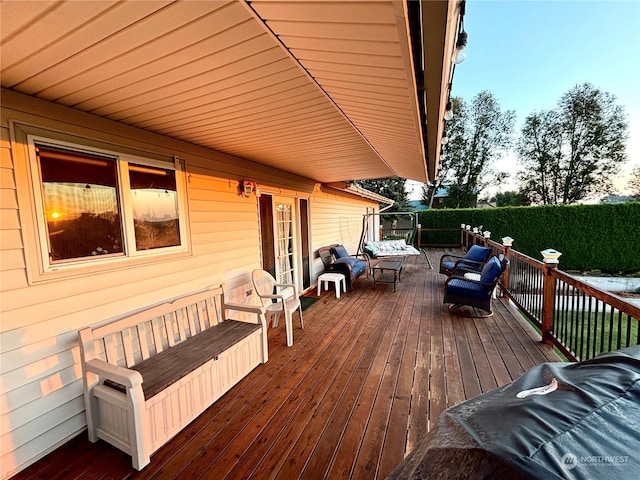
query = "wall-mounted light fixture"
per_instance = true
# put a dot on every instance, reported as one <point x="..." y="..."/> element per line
<point x="248" y="188"/>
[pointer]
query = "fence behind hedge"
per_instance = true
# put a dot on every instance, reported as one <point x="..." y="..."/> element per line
<point x="590" y="237"/>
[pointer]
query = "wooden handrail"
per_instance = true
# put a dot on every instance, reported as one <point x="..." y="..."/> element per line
<point x="544" y="297"/>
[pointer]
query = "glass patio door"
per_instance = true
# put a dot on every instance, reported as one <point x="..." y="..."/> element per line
<point x="284" y="229"/>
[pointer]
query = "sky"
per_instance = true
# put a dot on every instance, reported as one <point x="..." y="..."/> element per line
<point x="529" y="53"/>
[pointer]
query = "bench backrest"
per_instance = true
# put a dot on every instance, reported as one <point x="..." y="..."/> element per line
<point x="129" y="340"/>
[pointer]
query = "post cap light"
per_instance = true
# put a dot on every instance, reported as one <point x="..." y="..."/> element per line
<point x="468" y="227"/>
<point x="475" y="229"/>
<point x="550" y="255"/>
<point x="486" y="234"/>
<point x="507" y="241"/>
<point x="462" y="225"/>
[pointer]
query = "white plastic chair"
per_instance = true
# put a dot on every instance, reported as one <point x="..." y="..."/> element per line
<point x="266" y="288"/>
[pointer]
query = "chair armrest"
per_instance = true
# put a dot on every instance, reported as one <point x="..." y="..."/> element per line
<point x="289" y="285"/>
<point x="471" y="281"/>
<point x="466" y="266"/>
<point x="363" y="256"/>
<point x="124" y="376"/>
<point x="449" y="256"/>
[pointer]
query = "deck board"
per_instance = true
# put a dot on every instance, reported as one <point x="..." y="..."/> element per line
<point x="363" y="382"/>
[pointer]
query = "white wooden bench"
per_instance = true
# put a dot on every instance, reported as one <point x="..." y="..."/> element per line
<point x="148" y="375"/>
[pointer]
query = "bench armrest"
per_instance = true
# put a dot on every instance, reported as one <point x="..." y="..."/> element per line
<point x="242" y="307"/>
<point x="124" y="376"/>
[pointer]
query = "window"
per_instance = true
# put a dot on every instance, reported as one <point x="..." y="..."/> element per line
<point x="99" y="206"/>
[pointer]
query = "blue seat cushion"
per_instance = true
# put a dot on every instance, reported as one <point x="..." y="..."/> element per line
<point x="478" y="253"/>
<point x="339" y="251"/>
<point x="357" y="266"/>
<point x="465" y="288"/>
<point x="491" y="271"/>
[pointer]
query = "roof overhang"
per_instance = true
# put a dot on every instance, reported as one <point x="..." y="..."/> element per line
<point x="329" y="90"/>
<point x="354" y="189"/>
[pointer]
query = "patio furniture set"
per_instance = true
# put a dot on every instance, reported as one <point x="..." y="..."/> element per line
<point x="473" y="279"/>
<point x="149" y="374"/>
<point x="342" y="269"/>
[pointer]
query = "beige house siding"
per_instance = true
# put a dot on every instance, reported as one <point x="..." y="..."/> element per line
<point x="41" y="403"/>
<point x="336" y="218"/>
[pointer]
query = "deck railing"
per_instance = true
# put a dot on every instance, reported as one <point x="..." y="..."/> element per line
<point x="579" y="319"/>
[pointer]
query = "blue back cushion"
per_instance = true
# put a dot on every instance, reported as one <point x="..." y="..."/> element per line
<point x="491" y="271"/>
<point x="478" y="253"/>
<point x="339" y="251"/>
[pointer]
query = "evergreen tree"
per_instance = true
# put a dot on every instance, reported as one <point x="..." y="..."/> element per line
<point x="390" y="187"/>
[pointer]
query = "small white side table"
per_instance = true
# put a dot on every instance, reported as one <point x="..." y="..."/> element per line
<point x="336" y="278"/>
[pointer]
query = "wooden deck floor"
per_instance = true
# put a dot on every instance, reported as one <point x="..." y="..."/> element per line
<point x="362" y="384"/>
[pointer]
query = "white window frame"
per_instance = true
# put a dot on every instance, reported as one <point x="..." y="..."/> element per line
<point x="130" y="254"/>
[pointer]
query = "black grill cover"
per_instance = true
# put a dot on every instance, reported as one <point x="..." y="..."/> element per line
<point x="588" y="427"/>
<point x="557" y="421"/>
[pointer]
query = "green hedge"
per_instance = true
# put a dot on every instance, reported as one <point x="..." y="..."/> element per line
<point x="590" y="237"/>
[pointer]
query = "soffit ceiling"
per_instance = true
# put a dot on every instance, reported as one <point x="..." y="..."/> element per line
<point x="322" y="89"/>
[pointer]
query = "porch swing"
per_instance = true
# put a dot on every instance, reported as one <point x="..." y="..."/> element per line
<point x="378" y="242"/>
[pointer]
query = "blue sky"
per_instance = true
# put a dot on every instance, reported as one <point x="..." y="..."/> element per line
<point x="529" y="53"/>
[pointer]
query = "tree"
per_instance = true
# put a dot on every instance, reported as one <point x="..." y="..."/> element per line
<point x="572" y="152"/>
<point x="478" y="135"/>
<point x="511" y="199"/>
<point x="391" y="187"/>
<point x="634" y="182"/>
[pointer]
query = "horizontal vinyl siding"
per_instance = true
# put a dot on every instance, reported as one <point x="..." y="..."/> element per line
<point x="335" y="218"/>
<point x="41" y="402"/>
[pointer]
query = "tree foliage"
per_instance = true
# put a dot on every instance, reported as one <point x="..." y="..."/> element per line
<point x="572" y="152"/>
<point x="391" y="187"/>
<point x="634" y="182"/>
<point x="511" y="199"/>
<point x="478" y="135"/>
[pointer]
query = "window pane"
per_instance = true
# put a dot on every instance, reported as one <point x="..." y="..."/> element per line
<point x="80" y="204"/>
<point x="154" y="199"/>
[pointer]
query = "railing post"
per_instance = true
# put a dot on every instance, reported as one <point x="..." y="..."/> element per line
<point x="462" y="230"/>
<point x="486" y="235"/>
<point x="507" y="242"/>
<point x="550" y="260"/>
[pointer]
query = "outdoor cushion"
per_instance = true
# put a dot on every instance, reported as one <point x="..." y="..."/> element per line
<point x="472" y="261"/>
<point x="491" y="271"/>
<point x="357" y="265"/>
<point x="477" y="253"/>
<point x="461" y="286"/>
<point x="370" y="250"/>
<point x="339" y="251"/>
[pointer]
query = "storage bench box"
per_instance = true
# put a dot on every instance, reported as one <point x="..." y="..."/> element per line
<point x="148" y="375"/>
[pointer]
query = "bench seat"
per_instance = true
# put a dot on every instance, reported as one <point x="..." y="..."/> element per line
<point x="162" y="370"/>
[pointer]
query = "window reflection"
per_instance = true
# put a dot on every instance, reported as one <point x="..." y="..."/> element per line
<point x="80" y="203"/>
<point x="154" y="199"/>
